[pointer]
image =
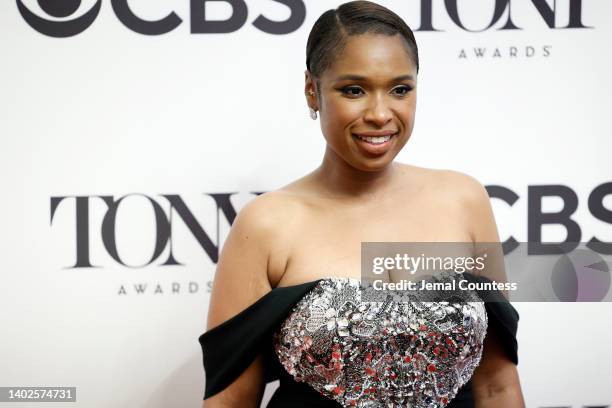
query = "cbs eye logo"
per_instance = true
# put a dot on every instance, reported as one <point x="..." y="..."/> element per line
<point x="59" y="9"/>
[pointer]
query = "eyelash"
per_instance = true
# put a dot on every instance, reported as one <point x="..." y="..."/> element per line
<point x="344" y="90"/>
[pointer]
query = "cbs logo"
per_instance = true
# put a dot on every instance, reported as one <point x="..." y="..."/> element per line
<point x="59" y="9"/>
<point x="63" y="26"/>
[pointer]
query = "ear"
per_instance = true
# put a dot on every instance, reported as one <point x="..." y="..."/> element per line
<point x="310" y="90"/>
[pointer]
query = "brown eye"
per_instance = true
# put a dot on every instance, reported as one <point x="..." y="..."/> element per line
<point x="351" y="90"/>
<point x="402" y="90"/>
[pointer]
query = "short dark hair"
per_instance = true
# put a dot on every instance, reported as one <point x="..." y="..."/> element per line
<point x="330" y="32"/>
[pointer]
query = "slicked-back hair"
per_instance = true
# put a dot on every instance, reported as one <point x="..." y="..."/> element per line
<point x="330" y="32"/>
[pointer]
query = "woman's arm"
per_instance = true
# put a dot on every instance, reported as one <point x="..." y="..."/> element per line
<point x="495" y="382"/>
<point x="241" y="278"/>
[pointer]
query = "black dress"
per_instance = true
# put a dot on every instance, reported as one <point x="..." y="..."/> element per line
<point x="330" y="348"/>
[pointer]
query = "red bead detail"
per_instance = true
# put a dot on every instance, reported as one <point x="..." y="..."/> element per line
<point x="431" y="368"/>
<point x="370" y="371"/>
<point x="407" y="359"/>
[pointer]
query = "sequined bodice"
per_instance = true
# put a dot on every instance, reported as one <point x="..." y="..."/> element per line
<point x="384" y="353"/>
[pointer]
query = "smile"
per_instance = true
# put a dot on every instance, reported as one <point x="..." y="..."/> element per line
<point x="375" y="140"/>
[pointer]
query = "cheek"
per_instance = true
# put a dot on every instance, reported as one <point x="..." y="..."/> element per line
<point x="407" y="113"/>
<point x="339" y="115"/>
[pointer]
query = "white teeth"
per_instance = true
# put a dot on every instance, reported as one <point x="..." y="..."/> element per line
<point x="375" y="140"/>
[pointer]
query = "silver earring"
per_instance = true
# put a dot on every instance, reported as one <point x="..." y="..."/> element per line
<point x="313" y="114"/>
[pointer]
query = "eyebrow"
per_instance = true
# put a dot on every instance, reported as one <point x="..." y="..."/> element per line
<point x="354" y="77"/>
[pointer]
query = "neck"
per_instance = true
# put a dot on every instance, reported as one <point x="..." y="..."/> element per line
<point x="341" y="180"/>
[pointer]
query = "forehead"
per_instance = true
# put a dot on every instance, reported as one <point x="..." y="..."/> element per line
<point x="373" y="55"/>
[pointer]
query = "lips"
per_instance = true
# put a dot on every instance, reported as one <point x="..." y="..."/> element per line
<point x="377" y="144"/>
<point x="375" y="138"/>
<point x="377" y="133"/>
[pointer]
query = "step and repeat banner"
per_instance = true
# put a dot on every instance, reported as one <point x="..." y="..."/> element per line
<point x="133" y="131"/>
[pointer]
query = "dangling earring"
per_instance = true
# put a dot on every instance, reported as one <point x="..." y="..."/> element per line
<point x="313" y="114"/>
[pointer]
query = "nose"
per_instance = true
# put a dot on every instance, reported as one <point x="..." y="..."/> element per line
<point x="378" y="113"/>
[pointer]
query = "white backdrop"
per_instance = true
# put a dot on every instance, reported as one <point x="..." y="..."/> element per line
<point x="112" y="112"/>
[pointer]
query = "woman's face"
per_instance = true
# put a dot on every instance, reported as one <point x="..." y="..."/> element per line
<point x="368" y="91"/>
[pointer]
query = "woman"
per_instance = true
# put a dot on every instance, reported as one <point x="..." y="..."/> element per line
<point x="303" y="241"/>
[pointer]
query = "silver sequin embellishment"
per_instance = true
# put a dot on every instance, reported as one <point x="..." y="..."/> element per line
<point x="384" y="353"/>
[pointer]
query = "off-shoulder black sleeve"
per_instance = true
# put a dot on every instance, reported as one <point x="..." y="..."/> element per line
<point x="502" y="316"/>
<point x="229" y="348"/>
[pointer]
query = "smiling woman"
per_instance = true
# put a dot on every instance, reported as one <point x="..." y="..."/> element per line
<point x="366" y="99"/>
<point x="286" y="301"/>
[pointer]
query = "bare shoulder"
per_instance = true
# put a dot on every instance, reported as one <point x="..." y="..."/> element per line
<point x="475" y="204"/>
<point x="276" y="219"/>
<point x="466" y="188"/>
<point x="461" y="186"/>
<point x="275" y="213"/>
<point x="463" y="195"/>
<point x="265" y="213"/>
<point x="249" y="252"/>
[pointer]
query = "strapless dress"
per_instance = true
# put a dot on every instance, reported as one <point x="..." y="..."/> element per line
<point x="332" y="342"/>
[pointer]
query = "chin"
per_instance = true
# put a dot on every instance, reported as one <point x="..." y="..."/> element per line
<point x="372" y="165"/>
